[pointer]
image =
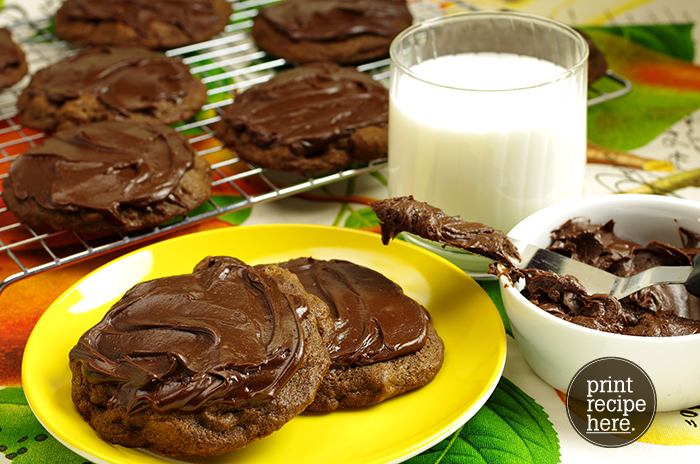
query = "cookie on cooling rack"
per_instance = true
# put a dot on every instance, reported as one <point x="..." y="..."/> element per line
<point x="384" y="344"/>
<point x="341" y="31"/>
<point x="158" y="24"/>
<point x="111" y="83"/>
<point x="13" y="65"/>
<point x="312" y="118"/>
<point x="203" y="363"/>
<point x="107" y="177"/>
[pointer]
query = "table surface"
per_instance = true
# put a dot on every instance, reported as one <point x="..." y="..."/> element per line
<point x="659" y="120"/>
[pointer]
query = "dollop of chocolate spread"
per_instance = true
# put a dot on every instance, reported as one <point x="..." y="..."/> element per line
<point x="10" y="56"/>
<point x="308" y="107"/>
<point x="374" y="319"/>
<point x="125" y="79"/>
<point x="404" y="214"/>
<point x="658" y="311"/>
<point x="103" y="166"/>
<point x="191" y="16"/>
<point x="334" y="20"/>
<point x="224" y="333"/>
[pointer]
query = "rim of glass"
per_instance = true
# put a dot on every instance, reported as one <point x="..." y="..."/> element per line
<point x="424" y="25"/>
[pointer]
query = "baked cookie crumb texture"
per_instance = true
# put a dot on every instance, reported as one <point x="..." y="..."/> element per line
<point x="341" y="31"/>
<point x="107" y="177"/>
<point x="202" y="363"/>
<point x="312" y="118"/>
<point x="158" y="24"/>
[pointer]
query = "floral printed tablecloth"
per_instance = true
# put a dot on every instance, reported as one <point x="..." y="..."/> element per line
<point x="646" y="141"/>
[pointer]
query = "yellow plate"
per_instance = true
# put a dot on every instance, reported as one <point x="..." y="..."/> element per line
<point x="392" y="431"/>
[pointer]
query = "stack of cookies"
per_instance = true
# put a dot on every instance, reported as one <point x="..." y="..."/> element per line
<point x="205" y="363"/>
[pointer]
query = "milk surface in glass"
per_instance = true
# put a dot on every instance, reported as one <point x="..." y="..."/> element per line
<point x="459" y="141"/>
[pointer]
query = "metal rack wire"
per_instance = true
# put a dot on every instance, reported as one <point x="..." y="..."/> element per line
<point x="623" y="87"/>
<point x="227" y="64"/>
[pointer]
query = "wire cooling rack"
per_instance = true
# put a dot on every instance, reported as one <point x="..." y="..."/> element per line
<point x="228" y="64"/>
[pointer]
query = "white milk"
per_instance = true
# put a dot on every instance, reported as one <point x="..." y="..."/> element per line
<point x="492" y="156"/>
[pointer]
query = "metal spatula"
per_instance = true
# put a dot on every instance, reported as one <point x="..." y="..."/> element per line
<point x="598" y="281"/>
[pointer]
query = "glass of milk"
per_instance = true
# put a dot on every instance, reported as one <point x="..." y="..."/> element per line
<point x="487" y="117"/>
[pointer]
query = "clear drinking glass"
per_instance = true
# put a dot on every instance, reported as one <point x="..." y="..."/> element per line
<point x="487" y="115"/>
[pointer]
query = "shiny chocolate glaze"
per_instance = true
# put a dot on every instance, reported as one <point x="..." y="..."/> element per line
<point x="194" y="17"/>
<point x="103" y="166"/>
<point x="374" y="320"/>
<point x="307" y="107"/>
<point x="405" y="214"/>
<point x="125" y="79"/>
<point x="659" y="311"/>
<point x="224" y="333"/>
<point x="320" y="20"/>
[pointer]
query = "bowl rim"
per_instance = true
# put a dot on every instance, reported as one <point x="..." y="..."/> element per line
<point x="508" y="286"/>
<point x="593" y="200"/>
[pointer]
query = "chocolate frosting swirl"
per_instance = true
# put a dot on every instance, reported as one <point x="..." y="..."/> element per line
<point x="657" y="311"/>
<point x="125" y="79"/>
<point x="193" y="17"/>
<point x="308" y="107"/>
<point x="224" y="333"/>
<point x="321" y="20"/>
<point x="103" y="166"/>
<point x="374" y="320"/>
<point x="405" y="214"/>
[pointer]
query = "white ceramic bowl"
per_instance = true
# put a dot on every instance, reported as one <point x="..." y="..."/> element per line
<point x="556" y="350"/>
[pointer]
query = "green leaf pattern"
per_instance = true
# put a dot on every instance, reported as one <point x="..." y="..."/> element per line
<point x="23" y="440"/>
<point x="510" y="428"/>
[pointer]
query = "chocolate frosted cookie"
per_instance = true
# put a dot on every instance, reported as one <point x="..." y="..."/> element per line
<point x="13" y="65"/>
<point x="341" y="31"/>
<point x="384" y="344"/>
<point x="316" y="117"/>
<point x="158" y="24"/>
<point x="203" y="363"/>
<point x="104" y="83"/>
<point x="107" y="177"/>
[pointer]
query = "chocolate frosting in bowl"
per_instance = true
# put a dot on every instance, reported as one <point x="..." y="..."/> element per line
<point x="333" y="20"/>
<point x="374" y="320"/>
<point x="658" y="311"/>
<point x="103" y="166"/>
<point x="224" y="333"/>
